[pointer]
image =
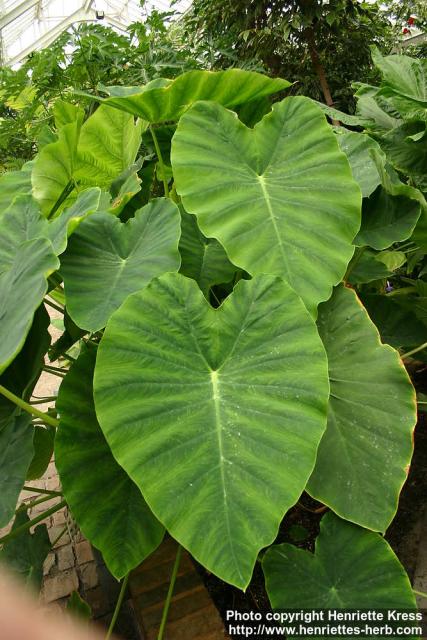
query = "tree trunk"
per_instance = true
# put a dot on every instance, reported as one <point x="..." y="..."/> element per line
<point x="318" y="66"/>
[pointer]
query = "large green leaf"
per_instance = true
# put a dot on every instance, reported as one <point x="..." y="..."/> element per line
<point x="21" y="375"/>
<point x="25" y="554"/>
<point x="392" y="211"/>
<point x="406" y="154"/>
<point x="13" y="183"/>
<point x="24" y="267"/>
<point x="162" y="100"/>
<point x="351" y="568"/>
<point x="54" y="167"/>
<point x="16" y="452"/>
<point x="398" y="326"/>
<point x="203" y="259"/>
<point x="373" y="265"/>
<point x="88" y="155"/>
<point x="107" y="505"/>
<point x="23" y="220"/>
<point x="387" y="219"/>
<point x="280" y="198"/>
<point x="357" y="147"/>
<point x="107" y="260"/>
<point x="43" y="443"/>
<point x="216" y="414"/>
<point x="404" y="76"/>
<point x="108" y="144"/>
<point x="364" y="455"/>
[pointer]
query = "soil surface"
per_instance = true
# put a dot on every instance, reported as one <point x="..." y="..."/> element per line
<point x="301" y="526"/>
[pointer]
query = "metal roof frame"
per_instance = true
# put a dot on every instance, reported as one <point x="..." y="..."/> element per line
<point x="18" y="16"/>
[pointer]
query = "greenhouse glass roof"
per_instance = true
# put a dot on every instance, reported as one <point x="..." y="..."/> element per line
<point x="26" y="25"/>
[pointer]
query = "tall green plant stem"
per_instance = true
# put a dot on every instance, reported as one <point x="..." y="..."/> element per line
<point x="420" y="593"/>
<point x="43" y="400"/>
<point x="34" y="503"/>
<point x="37" y="490"/>
<point x="118" y="606"/>
<point x="161" y="163"/>
<point x="28" y="407"/>
<point x="69" y="188"/>
<point x="170" y="593"/>
<point x="53" y="305"/>
<point x="410" y="353"/>
<point x="31" y="523"/>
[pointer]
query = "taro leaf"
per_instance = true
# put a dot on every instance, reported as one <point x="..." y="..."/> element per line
<point x="24" y="268"/>
<point x="369" y="268"/>
<point x="21" y="375"/>
<point x="367" y="447"/>
<point x="66" y="223"/>
<point x="403" y="75"/>
<point x="203" y="259"/>
<point x="43" y="441"/>
<point x="357" y="148"/>
<point x="92" y="155"/>
<point x="25" y="554"/>
<point x="351" y="568"/>
<point x="107" y="260"/>
<point x="374" y="108"/>
<point x="53" y="171"/>
<point x="392" y="259"/>
<point x="71" y="335"/>
<point x="216" y="414"/>
<point x="280" y="198"/>
<point x="67" y="113"/>
<point x="162" y="100"/>
<point x="23" y="221"/>
<point x="387" y="219"/>
<point x="345" y="118"/>
<point x="397" y="326"/>
<point x="407" y="155"/>
<point x="107" y="505"/>
<point x="108" y="144"/>
<point x="79" y="607"/>
<point x="13" y="183"/>
<point x="16" y="451"/>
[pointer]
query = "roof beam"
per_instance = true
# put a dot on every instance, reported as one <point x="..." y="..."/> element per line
<point x="81" y="15"/>
<point x="16" y="12"/>
<point x="49" y="36"/>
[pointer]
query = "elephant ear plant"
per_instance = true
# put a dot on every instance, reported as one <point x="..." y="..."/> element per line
<point x="215" y="362"/>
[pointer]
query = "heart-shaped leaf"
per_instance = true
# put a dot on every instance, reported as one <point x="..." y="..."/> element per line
<point x="351" y="568"/>
<point x="16" y="452"/>
<point x="107" y="505"/>
<point x="108" y="144"/>
<point x="107" y="260"/>
<point x="357" y="147"/>
<point x="25" y="555"/>
<point x="280" y="198"/>
<point x="403" y="75"/>
<point x="52" y="175"/>
<point x="13" y="183"/>
<point x="216" y="414"/>
<point x="23" y="219"/>
<point x="162" y="100"/>
<point x="387" y="219"/>
<point x="369" y="267"/>
<point x="398" y="326"/>
<point x="88" y="155"/>
<point x="21" y="375"/>
<point x="203" y="259"/>
<point x="24" y="268"/>
<point x="367" y="447"/>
